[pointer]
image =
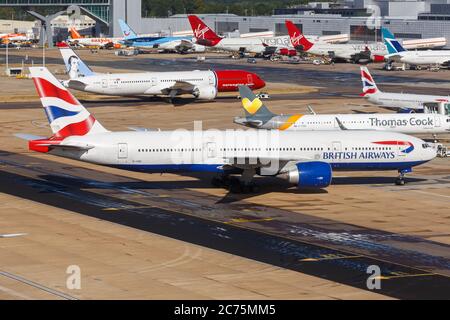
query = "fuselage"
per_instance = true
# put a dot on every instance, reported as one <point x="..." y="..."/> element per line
<point x="412" y="123"/>
<point x="100" y="42"/>
<point x="426" y="57"/>
<point x="154" y="42"/>
<point x="403" y="100"/>
<point x="214" y="150"/>
<point x="346" y="51"/>
<point x="155" y="83"/>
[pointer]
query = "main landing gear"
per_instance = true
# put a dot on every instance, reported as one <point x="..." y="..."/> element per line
<point x="243" y="184"/>
<point x="400" y="181"/>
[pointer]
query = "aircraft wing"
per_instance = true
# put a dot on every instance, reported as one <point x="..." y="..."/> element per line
<point x="274" y="163"/>
<point x="184" y="45"/>
<point x="66" y="146"/>
<point x="181" y="86"/>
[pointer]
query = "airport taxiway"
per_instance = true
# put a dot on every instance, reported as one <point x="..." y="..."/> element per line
<point x="170" y="236"/>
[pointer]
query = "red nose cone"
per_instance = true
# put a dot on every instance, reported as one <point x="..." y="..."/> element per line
<point x="230" y="80"/>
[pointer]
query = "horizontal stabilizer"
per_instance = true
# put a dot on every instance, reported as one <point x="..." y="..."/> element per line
<point x="28" y="137"/>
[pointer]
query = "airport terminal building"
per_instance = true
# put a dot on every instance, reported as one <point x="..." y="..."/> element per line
<point x="407" y="19"/>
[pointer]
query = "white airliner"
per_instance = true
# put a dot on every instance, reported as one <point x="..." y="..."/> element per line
<point x="304" y="158"/>
<point x="257" y="115"/>
<point x="349" y="52"/>
<point x="201" y="84"/>
<point x="398" y="53"/>
<point x="204" y="35"/>
<point x="400" y="101"/>
<point x="103" y="42"/>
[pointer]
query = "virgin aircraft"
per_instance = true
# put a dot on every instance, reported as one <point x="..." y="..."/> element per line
<point x="201" y="84"/>
<point x="398" y="53"/>
<point x="349" y="52"/>
<point x="258" y="45"/>
<point x="303" y="158"/>
<point x="257" y="115"/>
<point x="261" y="45"/>
<point x="397" y="101"/>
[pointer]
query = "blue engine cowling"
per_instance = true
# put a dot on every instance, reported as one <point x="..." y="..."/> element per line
<point x="314" y="174"/>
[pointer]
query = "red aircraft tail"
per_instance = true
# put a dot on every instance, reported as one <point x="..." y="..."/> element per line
<point x="298" y="40"/>
<point x="204" y="35"/>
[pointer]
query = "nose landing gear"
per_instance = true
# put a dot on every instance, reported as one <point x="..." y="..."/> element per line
<point x="400" y="181"/>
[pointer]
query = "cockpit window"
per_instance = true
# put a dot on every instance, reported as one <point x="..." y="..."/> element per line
<point x="426" y="145"/>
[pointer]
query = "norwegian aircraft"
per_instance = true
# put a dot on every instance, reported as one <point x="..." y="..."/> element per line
<point x="257" y="115"/>
<point x="77" y="39"/>
<point x="396" y="101"/>
<point x="303" y="158"/>
<point x="350" y="52"/>
<point x="181" y="44"/>
<point x="201" y="84"/>
<point x="398" y="53"/>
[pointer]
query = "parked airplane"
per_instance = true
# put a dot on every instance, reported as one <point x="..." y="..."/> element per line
<point x="350" y="52"/>
<point x="257" y="115"/>
<point x="303" y="158"/>
<point x="181" y="44"/>
<point x="201" y="84"/>
<point x="77" y="39"/>
<point x="12" y="37"/>
<point x="207" y="37"/>
<point x="397" y="101"/>
<point x="398" y="53"/>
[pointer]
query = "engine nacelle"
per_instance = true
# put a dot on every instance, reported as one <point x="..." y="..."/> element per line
<point x="378" y="58"/>
<point x="287" y="52"/>
<point x="205" y="93"/>
<point x="314" y="174"/>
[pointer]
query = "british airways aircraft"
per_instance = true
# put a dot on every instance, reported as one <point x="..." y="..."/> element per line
<point x="201" y="84"/>
<point x="303" y="158"/>
<point x="257" y="115"/>
<point x="398" y="101"/>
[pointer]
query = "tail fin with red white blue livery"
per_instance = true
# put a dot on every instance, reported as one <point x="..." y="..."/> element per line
<point x="66" y="115"/>
<point x="369" y="85"/>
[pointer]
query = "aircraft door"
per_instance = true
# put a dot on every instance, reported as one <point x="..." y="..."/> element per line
<point x="336" y="146"/>
<point x="400" y="149"/>
<point x="105" y="83"/>
<point x="122" y="151"/>
<point x="211" y="149"/>
<point x="437" y="121"/>
<point x="211" y="80"/>
<point x="249" y="79"/>
<point x="154" y="81"/>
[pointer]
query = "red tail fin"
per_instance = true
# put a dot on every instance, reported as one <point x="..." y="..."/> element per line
<point x="202" y="32"/>
<point x="74" y="33"/>
<point x="298" y="40"/>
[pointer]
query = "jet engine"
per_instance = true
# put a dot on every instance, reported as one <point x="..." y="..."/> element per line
<point x="205" y="93"/>
<point x="313" y="174"/>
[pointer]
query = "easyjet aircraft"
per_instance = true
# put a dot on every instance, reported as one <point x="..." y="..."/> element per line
<point x="76" y="38"/>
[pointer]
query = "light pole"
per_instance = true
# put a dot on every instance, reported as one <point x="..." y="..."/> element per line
<point x="43" y="50"/>
<point x="7" y="55"/>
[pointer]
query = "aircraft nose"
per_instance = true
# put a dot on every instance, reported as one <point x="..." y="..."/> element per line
<point x="259" y="83"/>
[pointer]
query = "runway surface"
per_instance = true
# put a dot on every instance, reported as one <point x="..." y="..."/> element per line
<point x="411" y="267"/>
